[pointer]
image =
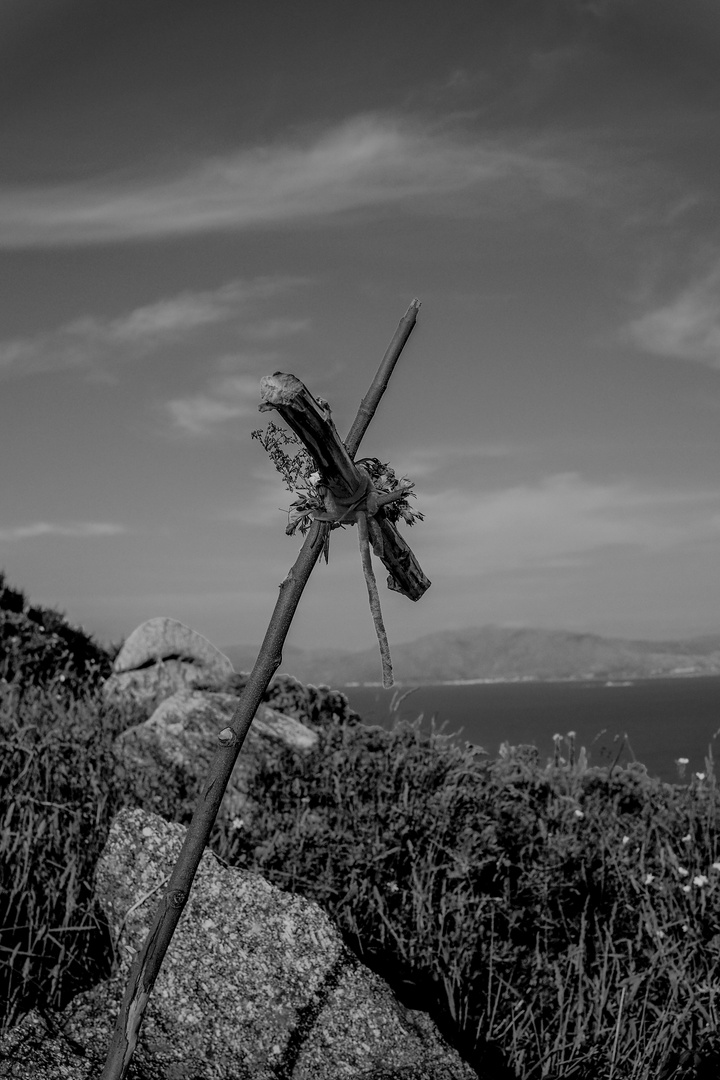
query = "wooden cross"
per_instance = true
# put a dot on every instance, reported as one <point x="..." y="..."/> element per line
<point x="347" y="487"/>
<point x="348" y="492"/>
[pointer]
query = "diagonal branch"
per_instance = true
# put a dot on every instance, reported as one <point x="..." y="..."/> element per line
<point x="148" y="961"/>
<point x="370" y="402"/>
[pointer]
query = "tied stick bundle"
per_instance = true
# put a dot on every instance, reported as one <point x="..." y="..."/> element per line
<point x="342" y="492"/>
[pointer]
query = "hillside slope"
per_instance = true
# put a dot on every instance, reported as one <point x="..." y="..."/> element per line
<point x="493" y="652"/>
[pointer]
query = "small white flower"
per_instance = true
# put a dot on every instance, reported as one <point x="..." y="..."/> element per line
<point x="649" y="878"/>
<point x="571" y="734"/>
<point x="700" y="775"/>
<point x="682" y="760"/>
<point x="685" y="888"/>
<point x="700" y="880"/>
<point x="716" y="866"/>
<point x="625" y="841"/>
<point x="237" y="823"/>
<point x="393" y="887"/>
<point x="687" y="839"/>
<point x="578" y="813"/>
<point x="557" y="738"/>
<point x="682" y="871"/>
<point x="661" y="933"/>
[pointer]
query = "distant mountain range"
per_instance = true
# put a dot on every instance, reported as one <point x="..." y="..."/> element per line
<point x="496" y="653"/>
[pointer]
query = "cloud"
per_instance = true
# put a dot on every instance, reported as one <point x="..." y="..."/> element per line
<point x="368" y="161"/>
<point x="90" y="340"/>
<point x="558" y="521"/>
<point x="226" y="399"/>
<point x="687" y="328"/>
<point x="427" y="460"/>
<point x="563" y="521"/>
<point x="275" y="328"/>
<point x="78" y="529"/>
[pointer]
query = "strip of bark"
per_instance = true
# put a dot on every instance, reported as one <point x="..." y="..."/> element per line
<point x="375" y="609"/>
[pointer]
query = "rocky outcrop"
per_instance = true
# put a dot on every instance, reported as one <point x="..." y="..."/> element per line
<point x="162" y="656"/>
<point x="183" y="730"/>
<point x="257" y="984"/>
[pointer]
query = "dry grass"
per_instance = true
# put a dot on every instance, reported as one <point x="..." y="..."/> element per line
<point x="566" y="914"/>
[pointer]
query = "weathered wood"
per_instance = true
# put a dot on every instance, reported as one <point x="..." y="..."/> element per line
<point x="346" y="484"/>
<point x="312" y="423"/>
<point x="405" y="574"/>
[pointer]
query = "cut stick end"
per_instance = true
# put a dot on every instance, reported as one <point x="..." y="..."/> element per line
<point x="279" y="389"/>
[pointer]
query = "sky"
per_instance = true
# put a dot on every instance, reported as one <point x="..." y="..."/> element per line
<point x="198" y="193"/>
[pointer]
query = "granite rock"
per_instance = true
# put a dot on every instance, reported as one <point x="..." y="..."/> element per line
<point x="162" y="656"/>
<point x="257" y="983"/>
<point x="182" y="733"/>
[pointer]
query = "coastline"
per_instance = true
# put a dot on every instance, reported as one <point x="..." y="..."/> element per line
<point x="626" y="680"/>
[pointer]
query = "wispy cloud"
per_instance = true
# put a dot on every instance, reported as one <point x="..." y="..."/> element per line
<point x="369" y="161"/>
<point x="428" y="460"/>
<point x="90" y="341"/>
<point x="564" y="520"/>
<point x="688" y="327"/>
<point x="77" y="529"/>
<point x="225" y="399"/>
<point x="559" y="520"/>
<point x="273" y="329"/>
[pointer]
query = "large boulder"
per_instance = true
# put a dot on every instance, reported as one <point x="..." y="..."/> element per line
<point x="257" y="983"/>
<point x="183" y="733"/>
<point x="162" y="656"/>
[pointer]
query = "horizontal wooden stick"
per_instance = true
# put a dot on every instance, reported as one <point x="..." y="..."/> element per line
<point x="346" y="484"/>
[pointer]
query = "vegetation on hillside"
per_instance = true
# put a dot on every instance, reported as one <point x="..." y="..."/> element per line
<point x="39" y="647"/>
<point x="564" y="916"/>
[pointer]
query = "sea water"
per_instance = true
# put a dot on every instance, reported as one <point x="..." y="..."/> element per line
<point x="659" y="722"/>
